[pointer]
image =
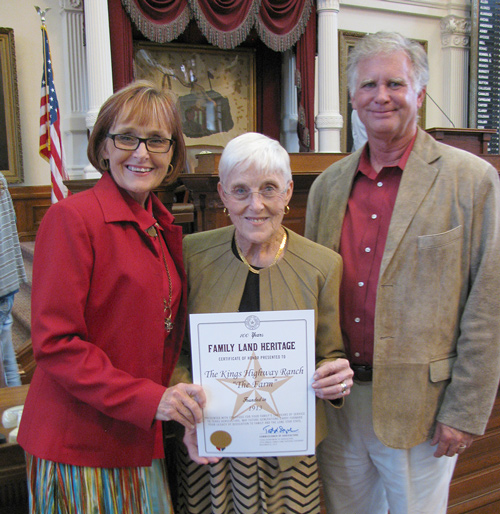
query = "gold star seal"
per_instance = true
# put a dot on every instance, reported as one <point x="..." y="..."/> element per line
<point x="256" y="387"/>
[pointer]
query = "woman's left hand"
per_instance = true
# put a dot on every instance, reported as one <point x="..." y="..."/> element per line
<point x="333" y="380"/>
<point x="182" y="403"/>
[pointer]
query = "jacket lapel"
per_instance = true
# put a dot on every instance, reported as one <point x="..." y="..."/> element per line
<point x="418" y="177"/>
<point x="336" y="199"/>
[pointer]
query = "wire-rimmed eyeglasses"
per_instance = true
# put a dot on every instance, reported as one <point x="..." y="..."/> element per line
<point x="242" y="193"/>
<point x="131" y="143"/>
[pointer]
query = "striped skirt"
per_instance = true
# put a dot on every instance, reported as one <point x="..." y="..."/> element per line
<point x="247" y="486"/>
<point x="65" y="489"/>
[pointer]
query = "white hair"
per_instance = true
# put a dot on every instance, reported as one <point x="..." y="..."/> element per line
<point x="251" y="152"/>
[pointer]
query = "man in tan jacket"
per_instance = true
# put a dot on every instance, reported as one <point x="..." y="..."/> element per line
<point x="418" y="226"/>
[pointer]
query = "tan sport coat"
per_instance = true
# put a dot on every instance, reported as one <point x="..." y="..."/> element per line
<point x="307" y="277"/>
<point x="437" y="319"/>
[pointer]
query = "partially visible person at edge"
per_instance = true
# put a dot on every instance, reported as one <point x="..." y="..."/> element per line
<point x="12" y="274"/>
<point x="418" y="226"/>
<point x="256" y="264"/>
<point x="108" y="318"/>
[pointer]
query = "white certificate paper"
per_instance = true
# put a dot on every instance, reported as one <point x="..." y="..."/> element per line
<point x="256" y="369"/>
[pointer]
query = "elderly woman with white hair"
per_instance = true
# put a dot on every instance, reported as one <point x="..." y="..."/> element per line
<point x="257" y="264"/>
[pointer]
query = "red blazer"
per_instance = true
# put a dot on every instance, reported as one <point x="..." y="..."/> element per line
<point x="98" y="332"/>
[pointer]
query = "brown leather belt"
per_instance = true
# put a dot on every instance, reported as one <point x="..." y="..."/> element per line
<point x="362" y="373"/>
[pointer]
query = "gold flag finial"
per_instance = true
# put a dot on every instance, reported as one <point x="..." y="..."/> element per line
<point x="41" y="13"/>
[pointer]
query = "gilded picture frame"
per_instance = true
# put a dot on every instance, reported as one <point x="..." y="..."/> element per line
<point x="11" y="164"/>
<point x="215" y="89"/>
<point x="347" y="40"/>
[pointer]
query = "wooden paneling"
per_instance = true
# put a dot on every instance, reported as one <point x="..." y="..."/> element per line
<point x="13" y="490"/>
<point x="30" y="203"/>
<point x="475" y="487"/>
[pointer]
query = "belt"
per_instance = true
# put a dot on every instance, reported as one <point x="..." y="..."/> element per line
<point x="362" y="373"/>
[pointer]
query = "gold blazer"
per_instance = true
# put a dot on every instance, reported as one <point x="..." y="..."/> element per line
<point x="307" y="277"/>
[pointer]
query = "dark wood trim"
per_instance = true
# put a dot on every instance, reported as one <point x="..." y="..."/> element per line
<point x="475" y="487"/>
<point x="30" y="203"/>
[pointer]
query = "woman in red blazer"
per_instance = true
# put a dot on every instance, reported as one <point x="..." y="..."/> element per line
<point x="108" y="317"/>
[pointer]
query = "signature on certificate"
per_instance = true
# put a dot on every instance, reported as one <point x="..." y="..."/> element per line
<point x="268" y="429"/>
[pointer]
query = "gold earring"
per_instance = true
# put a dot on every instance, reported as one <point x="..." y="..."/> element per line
<point x="225" y="212"/>
<point x="287" y="209"/>
<point x="170" y="169"/>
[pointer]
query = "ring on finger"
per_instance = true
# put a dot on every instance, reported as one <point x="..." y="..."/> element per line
<point x="344" y="388"/>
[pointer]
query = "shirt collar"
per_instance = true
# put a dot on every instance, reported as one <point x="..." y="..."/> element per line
<point x="366" y="168"/>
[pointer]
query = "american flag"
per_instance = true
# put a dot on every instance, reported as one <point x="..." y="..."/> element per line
<point x="50" y="131"/>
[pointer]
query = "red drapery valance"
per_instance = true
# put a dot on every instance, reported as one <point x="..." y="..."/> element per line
<point x="159" y="20"/>
<point x="225" y="23"/>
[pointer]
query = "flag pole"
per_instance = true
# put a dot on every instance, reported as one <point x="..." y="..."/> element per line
<point x="50" y="147"/>
<point x="41" y="13"/>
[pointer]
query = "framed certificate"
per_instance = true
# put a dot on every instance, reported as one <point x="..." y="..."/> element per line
<point x="256" y="369"/>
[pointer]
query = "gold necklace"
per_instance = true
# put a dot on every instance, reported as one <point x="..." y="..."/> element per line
<point x="167" y="307"/>
<point x="278" y="254"/>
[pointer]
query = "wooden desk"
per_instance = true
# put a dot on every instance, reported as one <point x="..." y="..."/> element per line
<point x="13" y="490"/>
<point x="470" y="139"/>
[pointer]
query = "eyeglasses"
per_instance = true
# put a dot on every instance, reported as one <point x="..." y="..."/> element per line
<point x="242" y="193"/>
<point x="131" y="143"/>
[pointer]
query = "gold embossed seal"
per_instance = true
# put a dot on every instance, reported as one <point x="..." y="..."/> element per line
<point x="221" y="439"/>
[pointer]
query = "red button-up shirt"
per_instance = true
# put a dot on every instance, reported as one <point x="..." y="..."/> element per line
<point x="362" y="243"/>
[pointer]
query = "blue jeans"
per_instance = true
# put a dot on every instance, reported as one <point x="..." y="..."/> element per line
<point x="11" y="370"/>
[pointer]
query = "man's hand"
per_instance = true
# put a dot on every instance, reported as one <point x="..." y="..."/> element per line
<point x="450" y="441"/>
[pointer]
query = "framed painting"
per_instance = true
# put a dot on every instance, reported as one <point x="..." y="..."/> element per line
<point x="215" y="89"/>
<point x="11" y="164"/>
<point x="347" y="41"/>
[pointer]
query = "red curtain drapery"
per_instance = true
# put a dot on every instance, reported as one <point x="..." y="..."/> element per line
<point x="306" y="54"/>
<point x="122" y="46"/>
<point x="225" y="23"/>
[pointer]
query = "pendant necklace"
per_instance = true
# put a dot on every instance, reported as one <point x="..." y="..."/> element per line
<point x="167" y="306"/>
<point x="278" y="254"/>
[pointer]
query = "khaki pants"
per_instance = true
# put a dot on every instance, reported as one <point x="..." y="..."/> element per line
<point x="362" y="476"/>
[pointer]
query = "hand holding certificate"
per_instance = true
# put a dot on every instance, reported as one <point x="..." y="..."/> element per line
<point x="256" y="370"/>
